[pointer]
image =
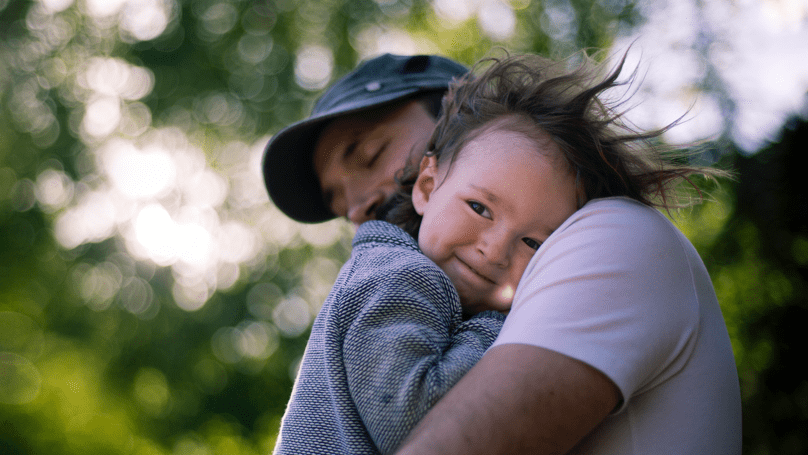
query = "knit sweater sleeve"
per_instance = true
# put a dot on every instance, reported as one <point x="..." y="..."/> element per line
<point x="408" y="346"/>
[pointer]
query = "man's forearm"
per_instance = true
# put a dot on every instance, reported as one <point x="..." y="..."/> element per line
<point x="517" y="399"/>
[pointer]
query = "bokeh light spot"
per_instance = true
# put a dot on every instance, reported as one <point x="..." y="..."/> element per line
<point x="99" y="284"/>
<point x="497" y="19"/>
<point x="223" y="345"/>
<point x="454" y="11"/>
<point x="220" y="18"/>
<point x="20" y="334"/>
<point x="156" y="231"/>
<point x="191" y="297"/>
<point x="136" y="295"/>
<point x="53" y="190"/>
<point x="205" y="189"/>
<point x="117" y="78"/>
<point x="257" y="339"/>
<point x="292" y="316"/>
<point x="323" y="234"/>
<point x="254" y="49"/>
<point x="55" y="6"/>
<point x="138" y="174"/>
<point x="237" y="243"/>
<point x="194" y="245"/>
<point x="103" y="8"/>
<point x="20" y="380"/>
<point x="23" y="195"/>
<point x="559" y="21"/>
<point x="101" y="117"/>
<point x="313" y="67"/>
<point x="151" y="391"/>
<point x="262" y="298"/>
<point x="145" y="19"/>
<point x="92" y="219"/>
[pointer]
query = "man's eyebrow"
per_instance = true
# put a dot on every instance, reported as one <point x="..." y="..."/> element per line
<point x="350" y="149"/>
<point x="357" y="135"/>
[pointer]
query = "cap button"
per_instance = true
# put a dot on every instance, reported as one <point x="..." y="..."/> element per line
<point x="373" y="86"/>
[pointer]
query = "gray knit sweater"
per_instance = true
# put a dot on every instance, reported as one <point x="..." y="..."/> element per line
<point x="388" y="343"/>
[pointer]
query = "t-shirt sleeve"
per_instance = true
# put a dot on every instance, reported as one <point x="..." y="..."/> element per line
<point x="612" y="287"/>
<point x="407" y="347"/>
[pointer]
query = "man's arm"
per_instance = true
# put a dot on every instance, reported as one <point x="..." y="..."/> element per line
<point x="518" y="399"/>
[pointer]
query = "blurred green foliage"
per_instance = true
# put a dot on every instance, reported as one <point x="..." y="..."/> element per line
<point x="107" y="346"/>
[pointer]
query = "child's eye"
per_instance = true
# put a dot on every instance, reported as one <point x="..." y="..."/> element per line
<point x="478" y="208"/>
<point x="532" y="243"/>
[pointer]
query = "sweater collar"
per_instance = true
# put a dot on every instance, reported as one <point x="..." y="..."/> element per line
<point x="374" y="231"/>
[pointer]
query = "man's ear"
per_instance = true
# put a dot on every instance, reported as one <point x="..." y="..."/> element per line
<point x="424" y="184"/>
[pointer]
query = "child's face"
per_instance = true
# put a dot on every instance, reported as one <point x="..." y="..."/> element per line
<point x="485" y="217"/>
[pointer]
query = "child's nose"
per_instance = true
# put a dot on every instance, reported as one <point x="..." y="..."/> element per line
<point x="495" y="249"/>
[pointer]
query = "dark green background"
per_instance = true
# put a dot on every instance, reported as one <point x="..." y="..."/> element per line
<point x="77" y="378"/>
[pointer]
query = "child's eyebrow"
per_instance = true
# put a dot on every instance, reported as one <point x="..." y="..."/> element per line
<point x="488" y="194"/>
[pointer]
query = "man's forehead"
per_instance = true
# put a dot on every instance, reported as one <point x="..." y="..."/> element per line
<point x="334" y="139"/>
<point x="367" y="118"/>
<point x="339" y="133"/>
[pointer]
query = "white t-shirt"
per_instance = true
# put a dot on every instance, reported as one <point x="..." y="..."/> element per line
<point x="620" y="288"/>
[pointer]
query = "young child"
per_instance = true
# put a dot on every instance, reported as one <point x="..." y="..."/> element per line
<point x="510" y="160"/>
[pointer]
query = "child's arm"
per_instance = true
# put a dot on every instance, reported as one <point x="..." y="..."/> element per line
<point x="407" y="348"/>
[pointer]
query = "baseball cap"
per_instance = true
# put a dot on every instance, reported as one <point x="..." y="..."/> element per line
<point x="287" y="163"/>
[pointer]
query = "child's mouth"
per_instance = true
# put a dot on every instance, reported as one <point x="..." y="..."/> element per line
<point x="475" y="271"/>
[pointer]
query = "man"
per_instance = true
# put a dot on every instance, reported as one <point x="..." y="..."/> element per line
<point x="520" y="398"/>
<point x="341" y="161"/>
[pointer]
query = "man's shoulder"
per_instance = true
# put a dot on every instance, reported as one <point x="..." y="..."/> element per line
<point x="617" y="207"/>
<point x="619" y="233"/>
<point x="623" y="218"/>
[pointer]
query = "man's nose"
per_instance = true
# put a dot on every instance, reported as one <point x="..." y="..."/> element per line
<point x="363" y="207"/>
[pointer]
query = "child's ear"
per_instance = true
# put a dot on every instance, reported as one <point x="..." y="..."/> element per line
<point x="424" y="184"/>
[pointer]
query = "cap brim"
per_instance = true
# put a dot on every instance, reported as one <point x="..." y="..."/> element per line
<point x="289" y="175"/>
